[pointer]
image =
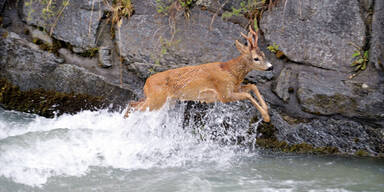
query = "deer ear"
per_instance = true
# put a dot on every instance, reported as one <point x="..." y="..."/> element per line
<point x="241" y="47"/>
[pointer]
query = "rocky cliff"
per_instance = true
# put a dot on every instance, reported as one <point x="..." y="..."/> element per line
<point x="318" y="101"/>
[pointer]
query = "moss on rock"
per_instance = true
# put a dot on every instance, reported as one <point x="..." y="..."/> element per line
<point x="268" y="140"/>
<point x="46" y="103"/>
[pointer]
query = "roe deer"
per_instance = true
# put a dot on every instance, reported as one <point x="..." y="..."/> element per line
<point x="211" y="82"/>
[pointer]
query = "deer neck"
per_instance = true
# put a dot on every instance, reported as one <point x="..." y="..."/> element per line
<point x="238" y="67"/>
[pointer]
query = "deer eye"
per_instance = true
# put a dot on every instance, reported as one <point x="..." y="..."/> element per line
<point x="256" y="59"/>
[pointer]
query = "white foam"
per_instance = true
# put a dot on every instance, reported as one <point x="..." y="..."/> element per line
<point x="70" y="144"/>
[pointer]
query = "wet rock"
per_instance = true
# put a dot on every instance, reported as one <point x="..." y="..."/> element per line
<point x="75" y="22"/>
<point x="32" y="69"/>
<point x="346" y="135"/>
<point x="377" y="41"/>
<point x="224" y="122"/>
<point x="317" y="33"/>
<point x="46" y="103"/>
<point x="283" y="84"/>
<point x="148" y="43"/>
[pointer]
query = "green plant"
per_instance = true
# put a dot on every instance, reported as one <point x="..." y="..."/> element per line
<point x="90" y="52"/>
<point x="274" y="48"/>
<point x="186" y="4"/>
<point x="360" y="61"/>
<point x="48" y="11"/>
<point x="235" y="12"/>
<point x="119" y="9"/>
<point x="246" y="8"/>
<point x="161" y="7"/>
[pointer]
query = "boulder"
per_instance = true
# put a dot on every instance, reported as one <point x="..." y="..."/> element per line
<point x="317" y="33"/>
<point x="74" y="22"/>
<point x="32" y="69"/>
<point x="151" y="43"/>
<point x="328" y="93"/>
<point x="325" y="95"/>
<point x="377" y="41"/>
<point x="347" y="136"/>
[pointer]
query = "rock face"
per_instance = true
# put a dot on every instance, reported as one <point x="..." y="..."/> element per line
<point x="31" y="68"/>
<point x="377" y="41"/>
<point x="75" y="22"/>
<point x="346" y="113"/>
<point x="328" y="94"/>
<point x="346" y="135"/>
<point x="151" y="43"/>
<point x="322" y="30"/>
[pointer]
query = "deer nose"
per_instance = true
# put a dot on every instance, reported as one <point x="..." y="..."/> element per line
<point x="270" y="68"/>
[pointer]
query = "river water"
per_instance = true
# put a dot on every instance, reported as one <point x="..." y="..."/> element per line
<point x="151" y="151"/>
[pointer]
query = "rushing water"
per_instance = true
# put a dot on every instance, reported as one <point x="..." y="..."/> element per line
<point x="151" y="151"/>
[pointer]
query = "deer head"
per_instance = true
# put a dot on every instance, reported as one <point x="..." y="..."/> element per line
<point x="254" y="56"/>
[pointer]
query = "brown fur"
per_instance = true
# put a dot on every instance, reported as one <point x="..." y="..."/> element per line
<point x="211" y="82"/>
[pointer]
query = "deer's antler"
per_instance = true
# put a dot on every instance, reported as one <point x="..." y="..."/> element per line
<point x="254" y="36"/>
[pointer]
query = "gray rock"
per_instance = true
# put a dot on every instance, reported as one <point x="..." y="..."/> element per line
<point x="70" y="78"/>
<point x="329" y="94"/>
<point x="377" y="41"/>
<point x="33" y="69"/>
<point x="221" y="5"/>
<point x="147" y="7"/>
<point x="40" y="35"/>
<point x="347" y="135"/>
<point x="105" y="57"/>
<point x="148" y="44"/>
<point x="325" y="95"/>
<point x="259" y="76"/>
<point x="317" y="33"/>
<point x="78" y="50"/>
<point x="22" y="65"/>
<point x="283" y="84"/>
<point x="75" y="23"/>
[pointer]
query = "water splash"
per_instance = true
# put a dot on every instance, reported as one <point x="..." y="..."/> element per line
<point x="33" y="148"/>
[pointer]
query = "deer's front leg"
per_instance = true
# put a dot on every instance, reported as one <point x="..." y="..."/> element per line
<point x="245" y="95"/>
<point x="249" y="87"/>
